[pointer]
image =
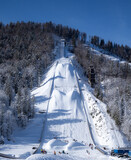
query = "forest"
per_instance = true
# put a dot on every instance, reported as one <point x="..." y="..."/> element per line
<point x="25" y="52"/>
<point x="111" y="85"/>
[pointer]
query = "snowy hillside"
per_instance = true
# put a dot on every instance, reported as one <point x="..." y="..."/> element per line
<point x="68" y="118"/>
<point x="111" y="83"/>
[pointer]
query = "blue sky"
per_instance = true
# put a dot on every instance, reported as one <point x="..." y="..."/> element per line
<point x="108" y="19"/>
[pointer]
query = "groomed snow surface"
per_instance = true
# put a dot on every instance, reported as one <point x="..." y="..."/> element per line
<point x="69" y="106"/>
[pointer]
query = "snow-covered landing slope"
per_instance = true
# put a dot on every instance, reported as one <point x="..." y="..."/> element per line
<point x="66" y="127"/>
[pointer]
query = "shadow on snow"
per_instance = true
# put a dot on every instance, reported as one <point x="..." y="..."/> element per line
<point x="52" y="79"/>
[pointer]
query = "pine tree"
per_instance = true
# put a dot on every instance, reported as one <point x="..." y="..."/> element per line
<point x="8" y="89"/>
<point x="9" y="122"/>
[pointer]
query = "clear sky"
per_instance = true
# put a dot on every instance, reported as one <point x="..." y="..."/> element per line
<point x="108" y="19"/>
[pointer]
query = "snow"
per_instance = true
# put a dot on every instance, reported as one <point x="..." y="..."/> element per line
<point x="68" y="105"/>
<point x="106" y="54"/>
<point x="66" y="157"/>
<point x="61" y="157"/>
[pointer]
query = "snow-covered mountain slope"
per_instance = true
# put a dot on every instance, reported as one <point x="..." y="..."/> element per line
<point x="66" y="127"/>
<point x="109" y="55"/>
<point x="68" y="117"/>
<point x="105" y="132"/>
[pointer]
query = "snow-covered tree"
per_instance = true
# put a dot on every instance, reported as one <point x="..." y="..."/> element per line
<point x="9" y="89"/>
<point x="126" y="125"/>
<point x="1" y="140"/>
<point x="10" y="123"/>
<point x="22" y="120"/>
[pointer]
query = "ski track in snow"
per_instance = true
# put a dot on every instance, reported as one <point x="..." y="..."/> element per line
<point x="65" y="121"/>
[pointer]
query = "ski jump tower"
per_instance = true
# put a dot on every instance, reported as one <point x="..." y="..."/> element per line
<point x="62" y="47"/>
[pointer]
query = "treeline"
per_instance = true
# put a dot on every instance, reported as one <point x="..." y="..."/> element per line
<point x="112" y="84"/>
<point x="124" y="52"/>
